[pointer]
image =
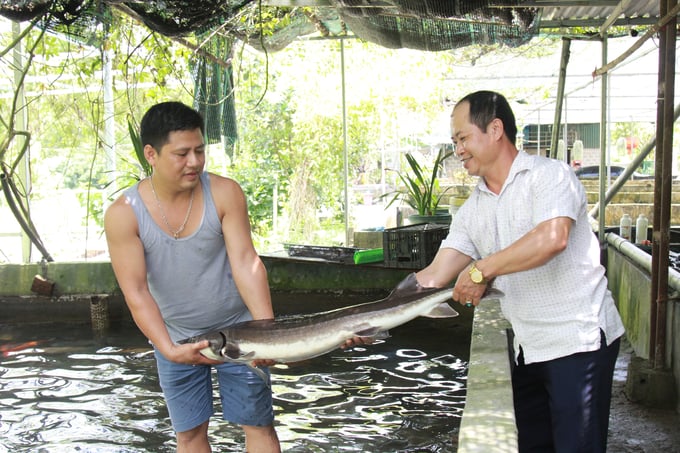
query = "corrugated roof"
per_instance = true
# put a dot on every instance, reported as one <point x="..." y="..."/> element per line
<point x="571" y="13"/>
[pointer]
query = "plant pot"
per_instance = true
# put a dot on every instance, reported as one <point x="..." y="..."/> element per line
<point x="443" y="218"/>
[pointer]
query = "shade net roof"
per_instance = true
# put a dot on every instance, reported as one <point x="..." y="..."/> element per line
<point x="432" y="25"/>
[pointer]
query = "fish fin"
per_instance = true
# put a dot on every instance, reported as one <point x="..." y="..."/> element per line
<point x="382" y="335"/>
<point x="232" y="352"/>
<point x="442" y="310"/>
<point x="261" y="374"/>
<point x="373" y="332"/>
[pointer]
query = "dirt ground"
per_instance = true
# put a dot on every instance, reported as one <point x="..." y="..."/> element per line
<point x="634" y="428"/>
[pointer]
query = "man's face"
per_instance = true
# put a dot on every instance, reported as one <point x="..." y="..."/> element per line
<point x="181" y="160"/>
<point x="472" y="145"/>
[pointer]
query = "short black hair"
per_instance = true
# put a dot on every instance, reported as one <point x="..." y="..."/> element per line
<point x="166" y="117"/>
<point x="486" y="106"/>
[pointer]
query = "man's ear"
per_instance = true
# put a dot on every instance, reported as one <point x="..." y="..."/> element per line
<point x="496" y="128"/>
<point x="150" y="153"/>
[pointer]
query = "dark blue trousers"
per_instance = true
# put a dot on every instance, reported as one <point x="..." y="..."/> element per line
<point x="562" y="405"/>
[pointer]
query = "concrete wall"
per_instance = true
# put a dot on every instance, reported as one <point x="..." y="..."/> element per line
<point x="629" y="271"/>
<point x="75" y="287"/>
<point x="70" y="278"/>
<point x="630" y="285"/>
<point x="285" y="274"/>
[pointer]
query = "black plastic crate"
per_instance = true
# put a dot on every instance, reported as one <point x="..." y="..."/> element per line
<point x="413" y="246"/>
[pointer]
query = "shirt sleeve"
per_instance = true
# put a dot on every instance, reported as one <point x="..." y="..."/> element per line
<point x="459" y="237"/>
<point x="557" y="192"/>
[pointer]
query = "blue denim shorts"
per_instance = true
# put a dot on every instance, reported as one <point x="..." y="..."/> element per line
<point x="188" y="391"/>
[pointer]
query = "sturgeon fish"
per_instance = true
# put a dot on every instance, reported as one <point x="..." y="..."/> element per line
<point x="306" y="336"/>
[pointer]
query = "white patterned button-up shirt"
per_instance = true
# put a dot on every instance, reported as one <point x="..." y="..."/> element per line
<point x="556" y="309"/>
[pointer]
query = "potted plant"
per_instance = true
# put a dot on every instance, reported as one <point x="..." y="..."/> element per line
<point x="421" y="190"/>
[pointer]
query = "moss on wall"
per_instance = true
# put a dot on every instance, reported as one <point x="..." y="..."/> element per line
<point x="631" y="287"/>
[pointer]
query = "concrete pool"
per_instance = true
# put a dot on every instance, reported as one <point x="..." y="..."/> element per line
<point x="67" y="387"/>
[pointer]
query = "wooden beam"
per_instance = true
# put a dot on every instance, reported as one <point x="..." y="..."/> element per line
<point x="613" y="16"/>
<point x="648" y="34"/>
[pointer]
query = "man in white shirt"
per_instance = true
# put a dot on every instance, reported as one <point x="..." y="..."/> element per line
<point x="525" y="227"/>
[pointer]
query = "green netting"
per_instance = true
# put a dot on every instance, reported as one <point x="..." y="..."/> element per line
<point x="84" y="20"/>
<point x="174" y="18"/>
<point x="436" y="25"/>
<point x="418" y="24"/>
<point x="214" y="96"/>
<point x="24" y="10"/>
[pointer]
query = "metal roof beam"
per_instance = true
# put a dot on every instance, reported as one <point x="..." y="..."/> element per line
<point x="569" y="23"/>
<point x="565" y="3"/>
<point x="288" y="3"/>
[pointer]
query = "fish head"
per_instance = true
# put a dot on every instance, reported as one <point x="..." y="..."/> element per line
<point x="216" y="341"/>
<point x="222" y="348"/>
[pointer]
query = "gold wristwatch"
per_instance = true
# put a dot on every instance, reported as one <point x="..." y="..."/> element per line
<point x="476" y="275"/>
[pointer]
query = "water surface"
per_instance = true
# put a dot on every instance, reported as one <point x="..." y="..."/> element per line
<point x="65" y="388"/>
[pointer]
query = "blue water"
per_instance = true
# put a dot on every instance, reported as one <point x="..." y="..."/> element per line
<point x="65" y="388"/>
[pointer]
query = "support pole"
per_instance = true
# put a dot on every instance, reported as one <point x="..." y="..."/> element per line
<point x="344" y="142"/>
<point x="564" y="61"/>
<point x="604" y="176"/>
<point x="109" y="138"/>
<point x="662" y="187"/>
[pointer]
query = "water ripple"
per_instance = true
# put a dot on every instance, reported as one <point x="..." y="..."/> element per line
<point x="75" y="392"/>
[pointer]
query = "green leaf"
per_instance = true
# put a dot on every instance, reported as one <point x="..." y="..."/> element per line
<point x="420" y="192"/>
<point x="139" y="149"/>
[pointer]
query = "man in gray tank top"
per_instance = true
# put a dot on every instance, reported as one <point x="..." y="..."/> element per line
<point x="181" y="250"/>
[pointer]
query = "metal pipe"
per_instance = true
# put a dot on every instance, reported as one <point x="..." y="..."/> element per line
<point x="109" y="136"/>
<point x="640" y="258"/>
<point x="564" y="61"/>
<point x="629" y="170"/>
<point x="344" y="141"/>
<point x="603" y="142"/>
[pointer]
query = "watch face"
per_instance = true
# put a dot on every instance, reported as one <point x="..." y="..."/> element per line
<point x="476" y="275"/>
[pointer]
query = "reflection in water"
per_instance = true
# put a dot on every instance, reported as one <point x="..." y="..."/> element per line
<point x="68" y="391"/>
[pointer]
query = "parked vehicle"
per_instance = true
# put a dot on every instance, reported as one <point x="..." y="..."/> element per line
<point x="593" y="172"/>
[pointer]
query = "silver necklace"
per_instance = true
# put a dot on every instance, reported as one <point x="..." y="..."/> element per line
<point x="175" y="233"/>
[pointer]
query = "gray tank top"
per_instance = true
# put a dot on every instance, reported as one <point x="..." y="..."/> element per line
<point x="190" y="278"/>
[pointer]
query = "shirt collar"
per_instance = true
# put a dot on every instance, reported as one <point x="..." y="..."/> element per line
<point x="522" y="162"/>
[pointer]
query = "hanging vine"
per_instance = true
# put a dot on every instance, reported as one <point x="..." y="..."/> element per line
<point x="15" y="193"/>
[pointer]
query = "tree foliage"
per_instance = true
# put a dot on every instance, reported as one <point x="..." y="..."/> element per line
<point x="290" y="155"/>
